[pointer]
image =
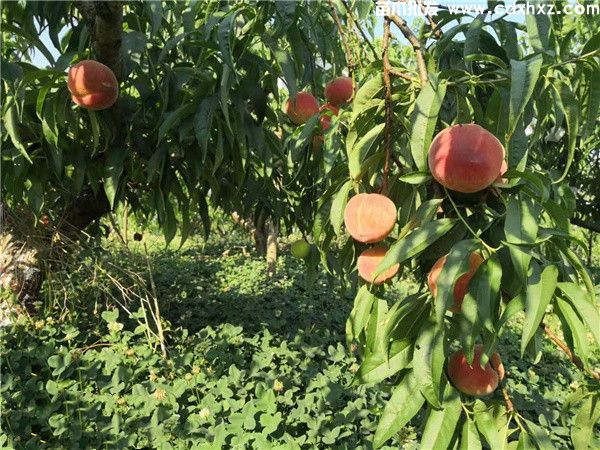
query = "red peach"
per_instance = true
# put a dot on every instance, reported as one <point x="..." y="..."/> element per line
<point x="462" y="283"/>
<point x="465" y="158"/>
<point x="339" y="91"/>
<point x="503" y="169"/>
<point x="301" y="108"/>
<point x="370" y="217"/>
<point x="473" y="379"/>
<point x="92" y="85"/>
<point x="368" y="262"/>
<point x="325" y="117"/>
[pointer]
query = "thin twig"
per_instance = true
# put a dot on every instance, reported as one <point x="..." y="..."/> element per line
<point x="437" y="33"/>
<point x="397" y="162"/>
<point x="159" y="327"/>
<point x="338" y="23"/>
<point x="397" y="73"/>
<point x="410" y="36"/>
<point x="388" y="104"/>
<point x="361" y="31"/>
<point x="570" y="354"/>
<point x="509" y="404"/>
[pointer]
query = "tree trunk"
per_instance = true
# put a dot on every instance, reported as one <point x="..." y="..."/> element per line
<point x="265" y="233"/>
<point x="21" y="252"/>
<point x="271" y="250"/>
<point x="260" y="235"/>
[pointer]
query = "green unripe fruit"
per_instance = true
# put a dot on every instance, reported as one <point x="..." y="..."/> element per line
<point x="301" y="249"/>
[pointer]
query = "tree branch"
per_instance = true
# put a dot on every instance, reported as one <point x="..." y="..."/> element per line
<point x="361" y="31"/>
<point x="588" y="225"/>
<point x="437" y="33"/>
<point x="338" y="23"/>
<point x="410" y="36"/>
<point x="105" y="22"/>
<point x="565" y="348"/>
<point x="388" y="103"/>
<point x="397" y="73"/>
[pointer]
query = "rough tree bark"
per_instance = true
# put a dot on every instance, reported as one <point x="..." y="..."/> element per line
<point x="265" y="232"/>
<point x="271" y="250"/>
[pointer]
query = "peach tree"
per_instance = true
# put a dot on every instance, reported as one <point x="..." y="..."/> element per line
<point x="481" y="217"/>
<point x="472" y="143"/>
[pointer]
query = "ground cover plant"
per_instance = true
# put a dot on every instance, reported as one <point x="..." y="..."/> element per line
<point x="253" y="362"/>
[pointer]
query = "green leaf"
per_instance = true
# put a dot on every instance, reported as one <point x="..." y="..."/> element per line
<point x="524" y="442"/>
<point x="469" y="439"/>
<point x="405" y="402"/>
<point x="587" y="417"/>
<point x="11" y="121"/>
<point x="170" y="45"/>
<point x="203" y="120"/>
<point x="457" y="263"/>
<point x="414" y="243"/>
<point x="172" y="118"/>
<point x="338" y="206"/>
<point x="570" y="105"/>
<point x="287" y="12"/>
<point x="538" y="31"/>
<point x="540" y="290"/>
<point x="593" y="106"/>
<point x="471" y="45"/>
<point x="539" y="436"/>
<point x="113" y="169"/>
<point x="406" y="317"/>
<point x="524" y="76"/>
<point x="578" y="266"/>
<point x="424" y="214"/>
<point x="32" y="38"/>
<point x="287" y="68"/>
<point x="492" y="422"/>
<point x="416" y="178"/>
<point x="574" y="328"/>
<point x="225" y="32"/>
<point x="428" y="361"/>
<point x="371" y="89"/>
<point x="358" y="153"/>
<point x="359" y="316"/>
<point x="593" y="44"/>
<point x="423" y="121"/>
<point x="441" y="423"/>
<point x="95" y="131"/>
<point x="516" y="305"/>
<point x="378" y="366"/>
<point x="480" y="305"/>
<point x="586" y="309"/>
<point x="375" y="338"/>
<point x="521" y="227"/>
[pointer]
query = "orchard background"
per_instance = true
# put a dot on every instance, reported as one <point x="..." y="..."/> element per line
<point x="181" y="242"/>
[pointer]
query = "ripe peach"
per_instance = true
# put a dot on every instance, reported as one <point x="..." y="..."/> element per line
<point x="326" y="118"/>
<point x="370" y="217"/>
<point x="503" y="169"/>
<point x="474" y="380"/>
<point x="368" y="262"/>
<point x="92" y="85"/>
<point x="465" y="158"/>
<point x="301" y="108"/>
<point x="339" y="91"/>
<point x="462" y="283"/>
